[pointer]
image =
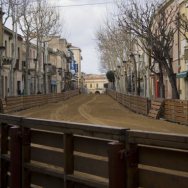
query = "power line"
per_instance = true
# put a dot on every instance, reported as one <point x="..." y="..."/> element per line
<point x="80" y="5"/>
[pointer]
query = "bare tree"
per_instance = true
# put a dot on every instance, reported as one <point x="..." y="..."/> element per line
<point x="47" y="24"/>
<point x="182" y="24"/>
<point x="29" y="32"/>
<point x="155" y="26"/>
<point x="116" y="48"/>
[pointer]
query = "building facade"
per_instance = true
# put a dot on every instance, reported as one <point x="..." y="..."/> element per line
<point x="78" y="58"/>
<point x="95" y="83"/>
<point x="52" y="73"/>
<point x="11" y="68"/>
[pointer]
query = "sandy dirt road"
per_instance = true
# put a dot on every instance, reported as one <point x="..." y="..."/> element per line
<point x="101" y="110"/>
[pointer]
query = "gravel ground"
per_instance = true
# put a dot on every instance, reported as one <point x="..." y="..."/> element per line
<point x="101" y="110"/>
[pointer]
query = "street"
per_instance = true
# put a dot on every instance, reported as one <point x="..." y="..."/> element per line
<point x="101" y="110"/>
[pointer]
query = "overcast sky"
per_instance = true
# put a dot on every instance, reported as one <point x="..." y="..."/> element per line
<point x="80" y="25"/>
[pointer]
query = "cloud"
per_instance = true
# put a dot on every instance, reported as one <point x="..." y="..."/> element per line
<point x="81" y="23"/>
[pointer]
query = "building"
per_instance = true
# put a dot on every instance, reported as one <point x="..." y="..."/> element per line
<point x="78" y="58"/>
<point x="95" y="83"/>
<point x="53" y="71"/>
<point x="11" y="68"/>
<point x="182" y="75"/>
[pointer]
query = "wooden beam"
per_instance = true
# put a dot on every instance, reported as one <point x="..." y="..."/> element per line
<point x="116" y="165"/>
<point x="15" y="158"/>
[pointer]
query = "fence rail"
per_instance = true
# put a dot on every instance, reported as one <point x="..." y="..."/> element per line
<point x="50" y="154"/>
<point x="11" y="104"/>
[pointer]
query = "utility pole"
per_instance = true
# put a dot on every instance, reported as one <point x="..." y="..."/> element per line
<point x="2" y="48"/>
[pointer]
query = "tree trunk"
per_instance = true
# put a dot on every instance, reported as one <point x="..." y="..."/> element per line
<point x="161" y="86"/>
<point x="135" y="76"/>
<point x="161" y="83"/>
<point x="138" y="89"/>
<point x="26" y="86"/>
<point x="172" y="79"/>
<point x="126" y="84"/>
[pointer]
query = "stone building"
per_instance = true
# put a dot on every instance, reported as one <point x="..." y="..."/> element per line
<point x="95" y="83"/>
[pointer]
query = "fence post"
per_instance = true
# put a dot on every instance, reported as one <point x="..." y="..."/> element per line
<point x="131" y="157"/>
<point x="4" y="150"/>
<point x="116" y="165"/>
<point x="68" y="158"/>
<point x="15" y="158"/>
<point x="26" y="155"/>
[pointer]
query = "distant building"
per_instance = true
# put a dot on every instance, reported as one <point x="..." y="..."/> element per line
<point x="77" y="65"/>
<point x="95" y="83"/>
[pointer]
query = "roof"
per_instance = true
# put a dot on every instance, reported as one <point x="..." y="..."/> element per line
<point x="94" y="76"/>
<point x="74" y="47"/>
<point x="10" y="32"/>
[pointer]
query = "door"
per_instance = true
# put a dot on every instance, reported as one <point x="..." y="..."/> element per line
<point x="18" y="87"/>
<point x="6" y="86"/>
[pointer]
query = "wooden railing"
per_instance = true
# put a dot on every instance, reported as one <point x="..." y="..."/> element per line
<point x="55" y="154"/>
<point x="58" y="154"/>
<point x="11" y="104"/>
<point x="176" y="111"/>
<point x="137" y="104"/>
<point x="160" y="160"/>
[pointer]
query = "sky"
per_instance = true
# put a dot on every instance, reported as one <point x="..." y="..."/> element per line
<point x="80" y="24"/>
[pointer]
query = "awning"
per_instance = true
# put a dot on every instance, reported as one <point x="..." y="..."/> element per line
<point x="183" y="74"/>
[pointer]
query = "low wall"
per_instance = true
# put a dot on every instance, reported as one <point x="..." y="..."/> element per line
<point x="137" y="104"/>
<point x="11" y="104"/>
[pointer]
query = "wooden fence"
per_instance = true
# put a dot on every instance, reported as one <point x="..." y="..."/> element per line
<point x="54" y="154"/>
<point x="11" y="104"/>
<point x="137" y="104"/>
<point x="176" y="111"/>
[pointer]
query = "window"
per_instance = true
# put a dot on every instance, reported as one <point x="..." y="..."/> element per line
<point x="5" y="48"/>
<point x="18" y="53"/>
<point x="90" y="85"/>
<point x="97" y="86"/>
